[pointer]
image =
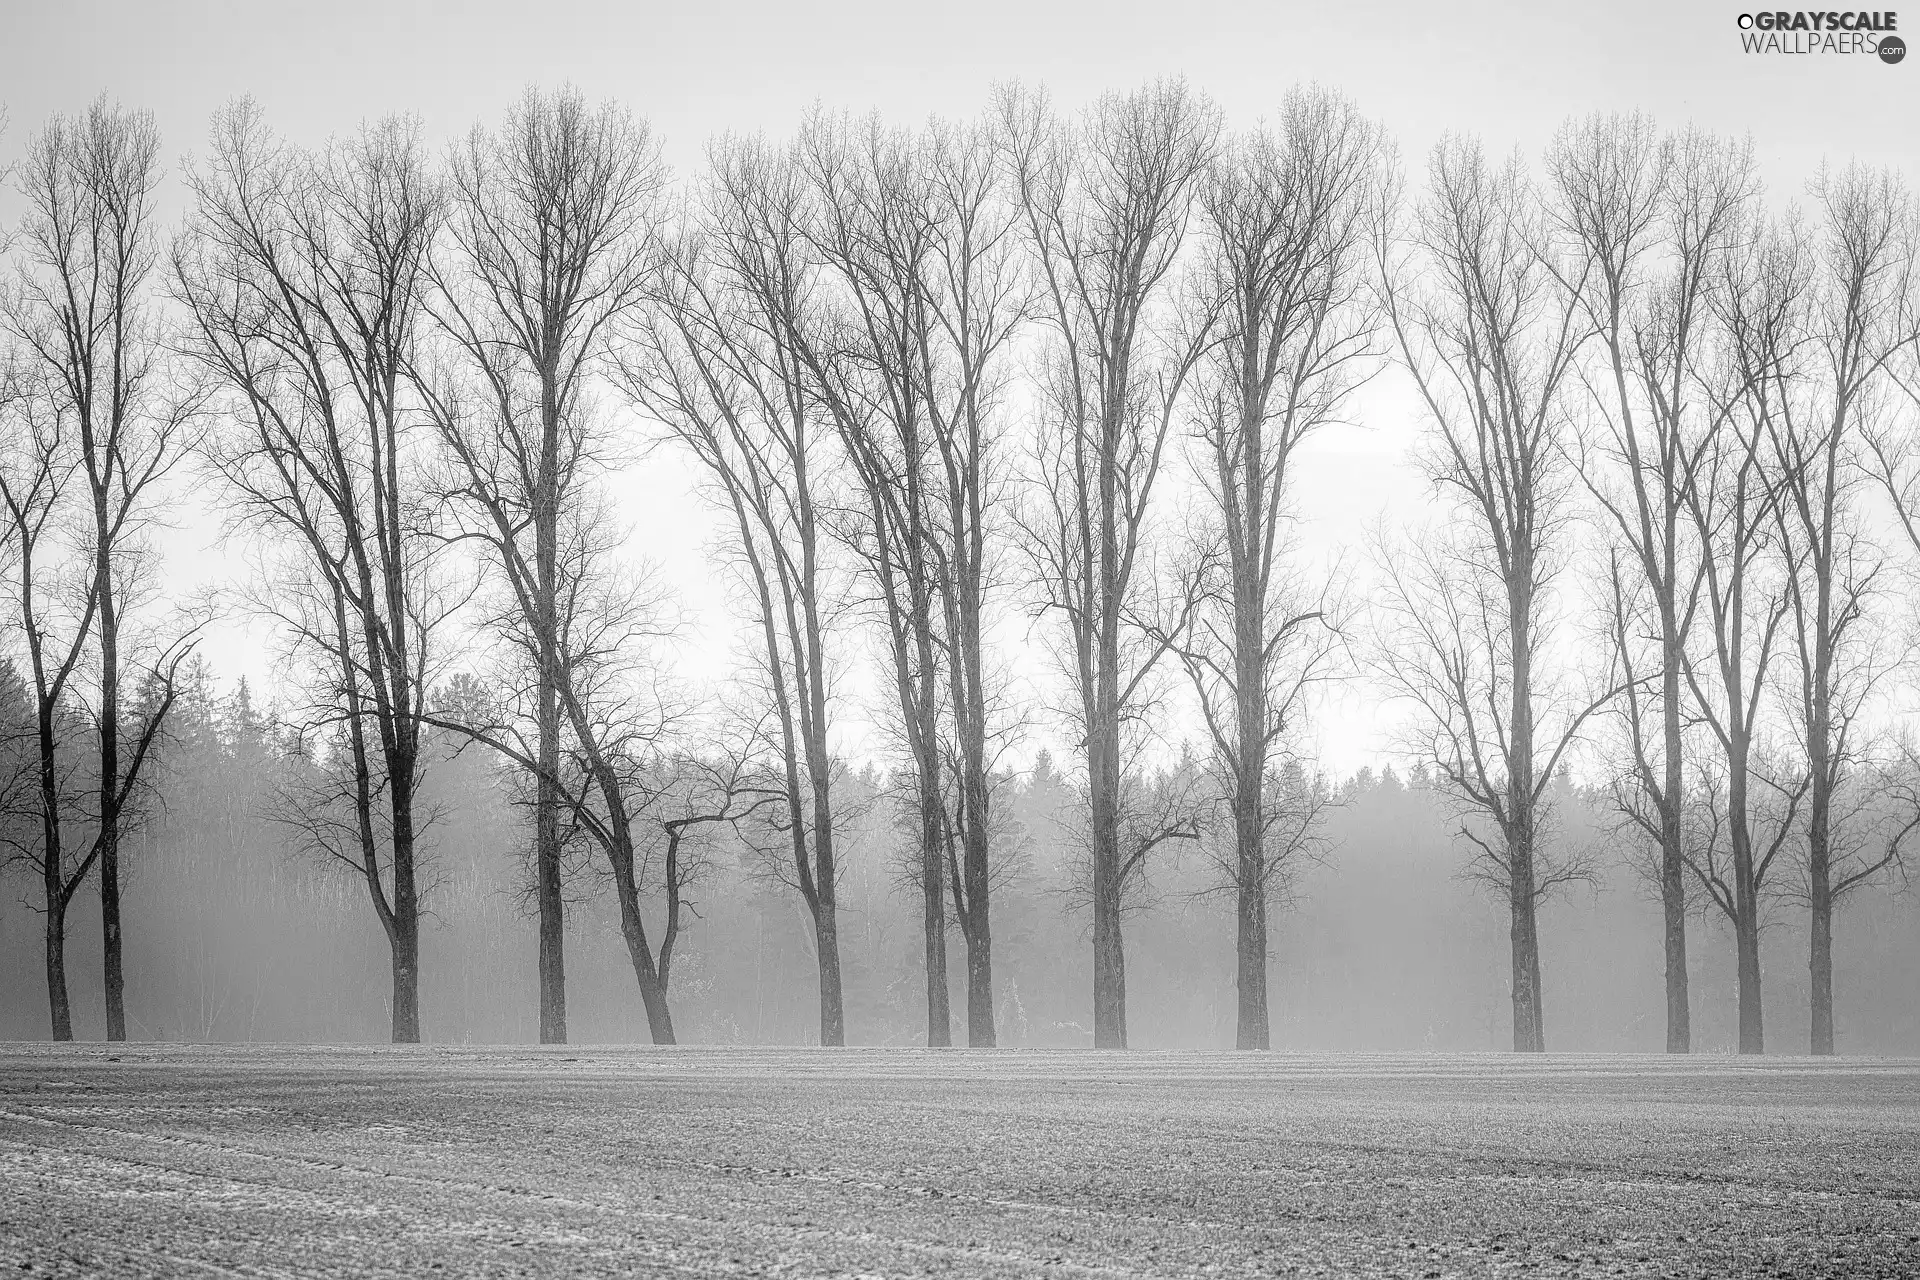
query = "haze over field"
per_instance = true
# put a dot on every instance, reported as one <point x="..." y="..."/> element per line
<point x="1045" y="638"/>
<point x="1270" y="531"/>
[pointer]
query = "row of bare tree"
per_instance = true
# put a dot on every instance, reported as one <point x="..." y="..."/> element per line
<point x="1636" y="342"/>
<point x="930" y="378"/>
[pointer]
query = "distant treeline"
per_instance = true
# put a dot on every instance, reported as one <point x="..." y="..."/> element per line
<point x="237" y="933"/>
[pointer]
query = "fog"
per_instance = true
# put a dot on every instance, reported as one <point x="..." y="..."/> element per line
<point x="235" y="934"/>
<point x="1193" y="574"/>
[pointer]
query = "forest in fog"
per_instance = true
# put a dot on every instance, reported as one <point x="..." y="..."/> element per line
<point x="1003" y="424"/>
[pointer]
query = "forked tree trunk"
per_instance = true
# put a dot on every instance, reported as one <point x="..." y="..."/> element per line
<point x="981" y="1033"/>
<point x="552" y="905"/>
<point x="646" y="972"/>
<point x="970" y="720"/>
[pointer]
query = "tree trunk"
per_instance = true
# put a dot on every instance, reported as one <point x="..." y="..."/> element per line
<point x="1539" y="992"/>
<point x="112" y="970"/>
<point x="1820" y="963"/>
<point x="981" y="1033"/>
<point x="1746" y="905"/>
<point x="406" y="918"/>
<point x="653" y="994"/>
<point x="1673" y="907"/>
<point x="1109" y="963"/>
<point x="1752" y="1026"/>
<point x="1252" y="1031"/>
<point x="547" y="870"/>
<point x="653" y="997"/>
<point x="934" y="922"/>
<point x="1109" y="954"/>
<point x="970" y="721"/>
<point x="1249" y="770"/>
<point x="1746" y="931"/>
<point x="109" y="781"/>
<point x="406" y="978"/>
<point x="1673" y="889"/>
<point x="552" y="958"/>
<point x="53" y="881"/>
<point x="1529" y="1033"/>
<point x="1820" y="848"/>
<point x="826" y="925"/>
<point x="826" y="937"/>
<point x="56" y="933"/>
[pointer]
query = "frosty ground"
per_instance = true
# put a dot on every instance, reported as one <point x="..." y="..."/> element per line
<point x="151" y="1160"/>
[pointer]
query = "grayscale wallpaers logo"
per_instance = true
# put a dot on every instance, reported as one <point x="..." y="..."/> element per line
<point x="1800" y="32"/>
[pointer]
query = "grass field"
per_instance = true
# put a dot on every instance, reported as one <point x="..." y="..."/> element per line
<point x="161" y="1160"/>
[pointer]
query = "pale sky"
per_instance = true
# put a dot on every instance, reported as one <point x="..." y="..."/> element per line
<point x="1509" y="72"/>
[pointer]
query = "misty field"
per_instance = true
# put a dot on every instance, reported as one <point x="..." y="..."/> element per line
<point x="154" y="1160"/>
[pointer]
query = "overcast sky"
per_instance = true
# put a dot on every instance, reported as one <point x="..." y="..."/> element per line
<point x="1509" y="72"/>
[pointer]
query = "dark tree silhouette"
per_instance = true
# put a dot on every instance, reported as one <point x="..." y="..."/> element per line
<point x="1645" y="222"/>
<point x="1283" y="230"/>
<point x="1105" y="202"/>
<point x="1490" y="342"/>
<point x="551" y="235"/>
<point x="302" y="277"/>
<point x="726" y="361"/>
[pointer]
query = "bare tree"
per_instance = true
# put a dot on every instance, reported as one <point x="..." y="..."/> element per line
<point x="979" y="299"/>
<point x="1106" y="201"/>
<point x="551" y="231"/>
<point x="302" y="275"/>
<point x="1644" y="223"/>
<point x="728" y="361"/>
<point x="1732" y="498"/>
<point x="37" y="470"/>
<point x="52" y="830"/>
<point x="1769" y="813"/>
<point x="699" y="798"/>
<point x="1860" y="294"/>
<point x="916" y="235"/>
<point x="1490" y="343"/>
<point x="84" y="317"/>
<point x="868" y="222"/>
<point x="621" y="713"/>
<point x="1284" y="233"/>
